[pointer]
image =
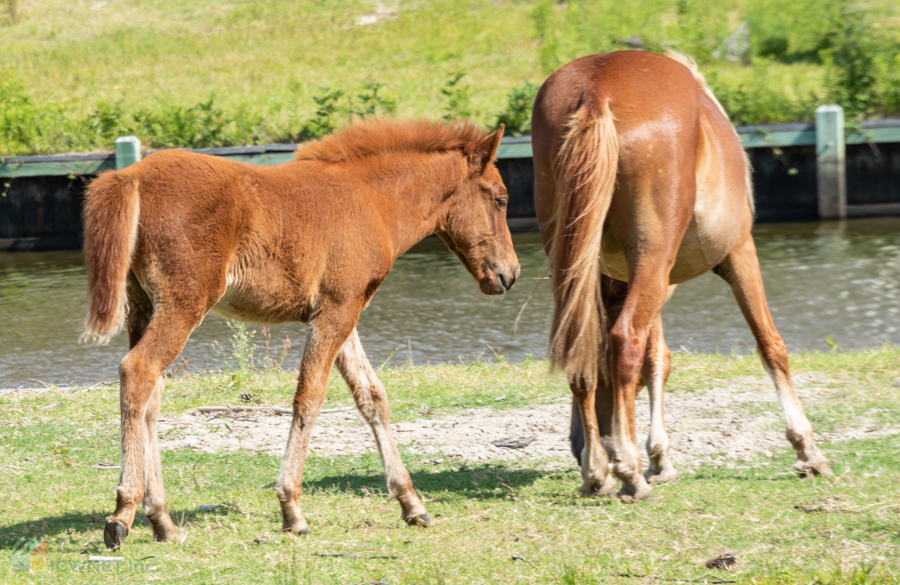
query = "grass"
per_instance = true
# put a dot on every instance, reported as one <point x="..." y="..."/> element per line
<point x="781" y="529"/>
<point x="76" y="75"/>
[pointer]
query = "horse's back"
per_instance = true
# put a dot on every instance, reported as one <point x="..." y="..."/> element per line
<point x="261" y="237"/>
<point x="654" y="102"/>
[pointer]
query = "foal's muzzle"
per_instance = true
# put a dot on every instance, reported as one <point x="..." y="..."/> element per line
<point x="508" y="278"/>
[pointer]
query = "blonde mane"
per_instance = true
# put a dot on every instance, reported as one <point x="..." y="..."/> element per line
<point x="366" y="139"/>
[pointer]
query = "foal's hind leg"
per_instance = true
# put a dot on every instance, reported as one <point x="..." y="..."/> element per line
<point x="741" y="270"/>
<point x="139" y="374"/>
<point x="324" y="338"/>
<point x="655" y="372"/>
<point x="372" y="402"/>
<point x="156" y="508"/>
<point x="155" y="505"/>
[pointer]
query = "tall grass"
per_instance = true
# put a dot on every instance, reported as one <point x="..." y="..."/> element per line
<point x="209" y="74"/>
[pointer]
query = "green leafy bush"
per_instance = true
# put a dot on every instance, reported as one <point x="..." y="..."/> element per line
<point x="517" y="115"/>
<point x="456" y="97"/>
<point x="27" y="127"/>
<point x="768" y="61"/>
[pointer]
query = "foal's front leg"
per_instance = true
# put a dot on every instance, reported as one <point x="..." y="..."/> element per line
<point x="372" y="402"/>
<point x="323" y="340"/>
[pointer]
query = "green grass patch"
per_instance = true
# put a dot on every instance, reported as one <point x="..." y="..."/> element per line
<point x="210" y="74"/>
<point x="781" y="529"/>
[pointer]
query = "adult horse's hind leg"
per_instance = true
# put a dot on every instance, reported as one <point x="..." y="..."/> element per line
<point x="372" y="402"/>
<point x="655" y="372"/>
<point x="613" y="295"/>
<point x="741" y="270"/>
<point x="628" y="342"/>
<point x="139" y="374"/>
<point x="596" y="479"/>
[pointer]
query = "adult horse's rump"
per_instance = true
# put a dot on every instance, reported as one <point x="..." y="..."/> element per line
<point x="179" y="234"/>
<point x="640" y="184"/>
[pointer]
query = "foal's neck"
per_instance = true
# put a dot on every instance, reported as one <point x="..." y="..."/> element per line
<point x="410" y="190"/>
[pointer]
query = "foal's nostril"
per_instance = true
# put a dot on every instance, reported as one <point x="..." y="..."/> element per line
<point x="505" y="280"/>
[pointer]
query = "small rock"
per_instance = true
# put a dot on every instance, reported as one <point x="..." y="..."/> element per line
<point x="260" y="540"/>
<point x="725" y="562"/>
<point x="513" y="442"/>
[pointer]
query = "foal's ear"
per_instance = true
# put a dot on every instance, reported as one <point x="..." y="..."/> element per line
<point x="486" y="151"/>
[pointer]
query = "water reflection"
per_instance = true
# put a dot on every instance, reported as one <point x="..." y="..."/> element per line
<point x="821" y="279"/>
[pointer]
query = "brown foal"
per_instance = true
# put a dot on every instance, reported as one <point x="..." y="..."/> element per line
<point x="180" y="234"/>
<point x="640" y="184"/>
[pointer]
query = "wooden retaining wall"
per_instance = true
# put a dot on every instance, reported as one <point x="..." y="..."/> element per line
<point x="795" y="179"/>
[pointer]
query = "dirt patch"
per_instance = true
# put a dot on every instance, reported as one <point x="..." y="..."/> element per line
<point x="722" y="426"/>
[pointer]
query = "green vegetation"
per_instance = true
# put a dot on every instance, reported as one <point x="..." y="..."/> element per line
<point x="76" y="75"/>
<point x="781" y="529"/>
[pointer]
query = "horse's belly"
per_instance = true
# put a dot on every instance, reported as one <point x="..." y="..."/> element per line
<point x="258" y="305"/>
<point x="701" y="250"/>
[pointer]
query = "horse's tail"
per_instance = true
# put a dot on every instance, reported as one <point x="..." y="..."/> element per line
<point x="586" y="169"/>
<point x="111" y="211"/>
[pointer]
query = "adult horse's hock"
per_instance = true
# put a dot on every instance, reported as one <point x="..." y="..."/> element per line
<point x="179" y="234"/>
<point x="640" y="184"/>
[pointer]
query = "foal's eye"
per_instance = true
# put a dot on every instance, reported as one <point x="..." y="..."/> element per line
<point x="501" y="201"/>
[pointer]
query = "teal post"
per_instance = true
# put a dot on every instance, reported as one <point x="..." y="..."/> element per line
<point x="831" y="172"/>
<point x="128" y="151"/>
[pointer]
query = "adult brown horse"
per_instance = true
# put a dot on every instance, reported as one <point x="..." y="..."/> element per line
<point x="179" y="234"/>
<point x="641" y="183"/>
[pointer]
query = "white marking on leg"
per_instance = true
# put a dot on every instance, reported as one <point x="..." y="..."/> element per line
<point x="657" y="440"/>
<point x="371" y="400"/>
<point x="799" y="429"/>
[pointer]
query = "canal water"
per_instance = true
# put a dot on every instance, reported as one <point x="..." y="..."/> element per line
<point x="826" y="283"/>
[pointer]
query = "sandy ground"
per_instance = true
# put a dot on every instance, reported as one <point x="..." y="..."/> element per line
<point x="723" y="426"/>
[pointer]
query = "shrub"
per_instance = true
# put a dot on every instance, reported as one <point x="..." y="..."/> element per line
<point x="517" y="115"/>
<point x="25" y="127"/>
<point x="851" y="59"/>
<point x="456" y="96"/>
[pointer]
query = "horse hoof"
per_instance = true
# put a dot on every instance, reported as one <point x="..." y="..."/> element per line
<point x="656" y="477"/>
<point x="114" y="534"/>
<point x="629" y="499"/>
<point x="806" y="469"/>
<point x="421" y="520"/>
<point x="597" y="491"/>
<point x="632" y="494"/>
<point x="163" y="536"/>
<point x="299" y="531"/>
<point x="163" y="530"/>
<point x="593" y="489"/>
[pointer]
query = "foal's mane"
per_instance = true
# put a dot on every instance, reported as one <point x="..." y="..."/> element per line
<point x="379" y="137"/>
